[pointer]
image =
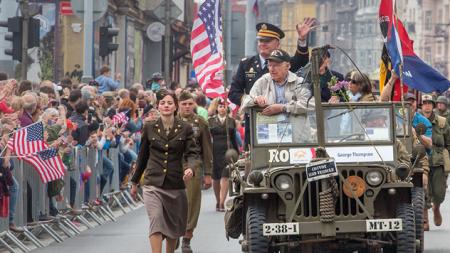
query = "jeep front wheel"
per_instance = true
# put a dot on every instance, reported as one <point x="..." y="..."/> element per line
<point x="418" y="198"/>
<point x="257" y="243"/>
<point x="406" y="239"/>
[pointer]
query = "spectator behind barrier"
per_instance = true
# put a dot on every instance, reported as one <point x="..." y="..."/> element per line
<point x="106" y="83"/>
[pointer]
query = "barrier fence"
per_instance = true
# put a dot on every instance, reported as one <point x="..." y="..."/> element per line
<point x="82" y="201"/>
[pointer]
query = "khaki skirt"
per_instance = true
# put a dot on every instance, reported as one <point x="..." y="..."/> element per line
<point x="166" y="210"/>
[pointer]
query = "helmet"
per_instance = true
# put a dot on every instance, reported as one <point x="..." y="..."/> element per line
<point x="442" y="99"/>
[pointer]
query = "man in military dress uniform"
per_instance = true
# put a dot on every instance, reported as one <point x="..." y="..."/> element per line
<point x="250" y="69"/>
<point x="441" y="144"/>
<point x="202" y="136"/>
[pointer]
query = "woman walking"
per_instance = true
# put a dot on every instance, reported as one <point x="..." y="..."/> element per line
<point x="164" y="144"/>
<point x="224" y="138"/>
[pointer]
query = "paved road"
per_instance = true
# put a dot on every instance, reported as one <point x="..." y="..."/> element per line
<point x="129" y="235"/>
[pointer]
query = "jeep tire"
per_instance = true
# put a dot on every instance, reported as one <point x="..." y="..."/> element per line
<point x="257" y="243"/>
<point x="406" y="239"/>
<point x="418" y="199"/>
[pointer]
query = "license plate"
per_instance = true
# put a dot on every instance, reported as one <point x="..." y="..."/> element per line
<point x="290" y="228"/>
<point x="321" y="169"/>
<point x="382" y="225"/>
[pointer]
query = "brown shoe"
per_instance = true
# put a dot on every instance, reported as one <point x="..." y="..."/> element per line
<point x="437" y="215"/>
<point x="426" y="224"/>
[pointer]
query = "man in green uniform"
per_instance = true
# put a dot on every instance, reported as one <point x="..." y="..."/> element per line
<point x="186" y="105"/>
<point x="441" y="108"/>
<point x="441" y="144"/>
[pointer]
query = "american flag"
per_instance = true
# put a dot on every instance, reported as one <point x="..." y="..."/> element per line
<point x="206" y="48"/>
<point x="28" y="140"/>
<point x="48" y="164"/>
<point x="119" y="118"/>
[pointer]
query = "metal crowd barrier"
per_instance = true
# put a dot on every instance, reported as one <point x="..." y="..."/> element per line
<point x="89" y="208"/>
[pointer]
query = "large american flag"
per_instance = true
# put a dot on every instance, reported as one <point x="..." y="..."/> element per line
<point x="48" y="164"/>
<point x="206" y="48"/>
<point x="28" y="140"/>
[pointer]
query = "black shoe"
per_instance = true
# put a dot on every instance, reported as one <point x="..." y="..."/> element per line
<point x="186" y="246"/>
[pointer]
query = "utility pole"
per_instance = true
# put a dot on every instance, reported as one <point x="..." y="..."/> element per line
<point x="88" y="41"/>
<point x="167" y="39"/>
<point x="26" y="18"/>
<point x="250" y="32"/>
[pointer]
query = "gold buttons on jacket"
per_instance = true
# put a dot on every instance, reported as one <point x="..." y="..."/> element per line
<point x="165" y="170"/>
<point x="167" y="153"/>
<point x="167" y="145"/>
<point x="165" y="161"/>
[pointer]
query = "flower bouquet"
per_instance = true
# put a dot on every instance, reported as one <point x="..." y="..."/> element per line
<point x="338" y="88"/>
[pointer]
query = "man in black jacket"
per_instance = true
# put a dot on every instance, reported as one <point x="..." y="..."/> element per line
<point x="250" y="69"/>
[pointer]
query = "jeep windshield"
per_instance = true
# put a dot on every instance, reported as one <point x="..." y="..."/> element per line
<point x="285" y="129"/>
<point x="358" y="124"/>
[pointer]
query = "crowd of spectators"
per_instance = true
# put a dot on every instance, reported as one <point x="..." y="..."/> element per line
<point x="83" y="115"/>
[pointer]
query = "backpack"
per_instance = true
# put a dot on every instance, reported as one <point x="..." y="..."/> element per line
<point x="441" y="122"/>
<point x="233" y="218"/>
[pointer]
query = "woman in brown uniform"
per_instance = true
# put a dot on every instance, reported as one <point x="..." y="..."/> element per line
<point x="164" y="143"/>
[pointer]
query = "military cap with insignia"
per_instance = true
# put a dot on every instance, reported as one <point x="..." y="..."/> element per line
<point x="279" y="55"/>
<point x="266" y="30"/>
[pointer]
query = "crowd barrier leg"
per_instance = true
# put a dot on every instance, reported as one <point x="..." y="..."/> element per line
<point x="11" y="249"/>
<point x="51" y="232"/>
<point x="69" y="224"/>
<point x="17" y="242"/>
<point x="65" y="230"/>
<point x="32" y="238"/>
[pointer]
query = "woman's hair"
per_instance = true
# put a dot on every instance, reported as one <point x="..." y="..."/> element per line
<point x="164" y="93"/>
<point x="363" y="79"/>
<point x="212" y="109"/>
<point x="128" y="104"/>
<point x="49" y="112"/>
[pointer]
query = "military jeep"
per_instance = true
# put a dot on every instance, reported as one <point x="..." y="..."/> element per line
<point x="331" y="180"/>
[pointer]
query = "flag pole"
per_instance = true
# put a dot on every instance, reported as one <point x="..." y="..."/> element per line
<point x="400" y="70"/>
<point x="225" y="8"/>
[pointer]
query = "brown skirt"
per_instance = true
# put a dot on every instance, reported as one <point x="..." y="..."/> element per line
<point x="166" y="210"/>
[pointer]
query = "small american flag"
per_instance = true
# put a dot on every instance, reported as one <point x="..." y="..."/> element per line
<point x="120" y="118"/>
<point x="206" y="48"/>
<point x="48" y="164"/>
<point x="28" y="140"/>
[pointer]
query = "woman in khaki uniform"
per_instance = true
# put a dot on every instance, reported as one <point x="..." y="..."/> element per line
<point x="164" y="144"/>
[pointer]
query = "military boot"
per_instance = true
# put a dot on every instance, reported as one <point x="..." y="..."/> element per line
<point x="186" y="246"/>
<point x="437" y="214"/>
<point x="426" y="224"/>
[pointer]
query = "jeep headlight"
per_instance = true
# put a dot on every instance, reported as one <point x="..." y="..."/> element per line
<point x="283" y="182"/>
<point x="374" y="178"/>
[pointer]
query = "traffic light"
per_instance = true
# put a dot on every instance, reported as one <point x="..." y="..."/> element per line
<point x="34" y="27"/>
<point x="14" y="35"/>
<point x="107" y="46"/>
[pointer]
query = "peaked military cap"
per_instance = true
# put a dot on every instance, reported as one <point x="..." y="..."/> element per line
<point x="266" y="30"/>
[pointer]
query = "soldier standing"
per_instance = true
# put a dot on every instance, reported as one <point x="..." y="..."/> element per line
<point x="194" y="186"/>
<point x="250" y="69"/>
<point x="441" y="144"/>
<point x="441" y="108"/>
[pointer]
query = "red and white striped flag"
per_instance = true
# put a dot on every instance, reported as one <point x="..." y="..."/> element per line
<point x="120" y="118"/>
<point x="28" y="140"/>
<point x="48" y="164"/>
<point x="206" y="48"/>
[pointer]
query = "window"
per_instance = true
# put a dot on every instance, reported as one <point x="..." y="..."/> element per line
<point x="428" y="20"/>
